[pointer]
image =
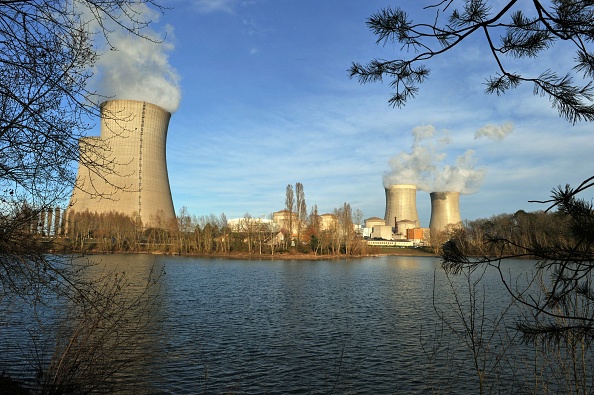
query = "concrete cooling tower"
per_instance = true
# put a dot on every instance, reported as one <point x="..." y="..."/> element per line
<point x="135" y="181"/>
<point x="445" y="210"/>
<point x="401" y="205"/>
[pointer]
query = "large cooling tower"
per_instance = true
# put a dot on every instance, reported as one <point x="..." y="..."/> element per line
<point x="445" y="210"/>
<point x="132" y="174"/>
<point x="401" y="205"/>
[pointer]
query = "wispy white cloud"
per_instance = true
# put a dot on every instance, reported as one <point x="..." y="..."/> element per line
<point x="494" y="132"/>
<point x="210" y="6"/>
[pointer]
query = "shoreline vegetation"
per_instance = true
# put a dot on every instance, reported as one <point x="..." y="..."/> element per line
<point x="254" y="238"/>
<point x="285" y="256"/>
<point x="294" y="256"/>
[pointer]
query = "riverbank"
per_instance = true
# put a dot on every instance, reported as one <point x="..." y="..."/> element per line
<point x="290" y="256"/>
<point x="287" y="255"/>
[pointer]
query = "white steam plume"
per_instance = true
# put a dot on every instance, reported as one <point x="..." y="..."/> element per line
<point x="138" y="68"/>
<point x="494" y="132"/>
<point x="426" y="167"/>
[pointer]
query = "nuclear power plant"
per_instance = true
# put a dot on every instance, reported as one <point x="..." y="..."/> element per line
<point x="445" y="210"/>
<point x="125" y="169"/>
<point x="401" y="225"/>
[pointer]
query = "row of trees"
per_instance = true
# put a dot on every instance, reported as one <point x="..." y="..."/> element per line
<point x="298" y="231"/>
<point x="483" y="237"/>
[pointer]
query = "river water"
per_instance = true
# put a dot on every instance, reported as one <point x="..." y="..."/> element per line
<point x="297" y="327"/>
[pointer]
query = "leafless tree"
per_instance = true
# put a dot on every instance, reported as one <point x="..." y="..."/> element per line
<point x="557" y="317"/>
<point x="314" y="229"/>
<point x="46" y="55"/>
<point x="290" y="207"/>
<point x="301" y="208"/>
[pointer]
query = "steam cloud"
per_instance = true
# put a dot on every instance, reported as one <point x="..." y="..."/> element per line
<point x="137" y="68"/>
<point x="494" y="132"/>
<point x="426" y="167"/>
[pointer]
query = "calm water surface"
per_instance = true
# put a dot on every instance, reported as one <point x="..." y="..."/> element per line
<point x="296" y="327"/>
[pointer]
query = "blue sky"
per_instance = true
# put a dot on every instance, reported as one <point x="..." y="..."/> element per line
<point x="266" y="101"/>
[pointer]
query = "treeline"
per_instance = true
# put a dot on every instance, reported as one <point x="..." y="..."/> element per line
<point x="205" y="235"/>
<point x="117" y="232"/>
<point x="509" y="234"/>
<point x="292" y="230"/>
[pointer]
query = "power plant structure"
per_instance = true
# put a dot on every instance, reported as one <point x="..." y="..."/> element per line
<point x="401" y="221"/>
<point x="401" y="207"/>
<point x="125" y="169"/>
<point x="445" y="210"/>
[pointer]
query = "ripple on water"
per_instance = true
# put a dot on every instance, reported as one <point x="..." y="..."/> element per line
<point x="252" y="327"/>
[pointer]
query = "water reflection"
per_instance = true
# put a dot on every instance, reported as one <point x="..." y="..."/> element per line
<point x="357" y="326"/>
<point x="295" y="327"/>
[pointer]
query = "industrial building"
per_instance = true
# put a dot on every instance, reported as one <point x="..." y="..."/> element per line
<point x="376" y="228"/>
<point x="286" y="220"/>
<point x="328" y="221"/>
<point x="125" y="168"/>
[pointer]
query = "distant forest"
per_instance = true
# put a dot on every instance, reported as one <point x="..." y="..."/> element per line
<point x="507" y="234"/>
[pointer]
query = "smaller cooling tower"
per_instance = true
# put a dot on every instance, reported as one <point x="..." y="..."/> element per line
<point x="401" y="205"/>
<point x="445" y="210"/>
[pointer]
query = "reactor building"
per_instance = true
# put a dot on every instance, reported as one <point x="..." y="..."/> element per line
<point x="125" y="169"/>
